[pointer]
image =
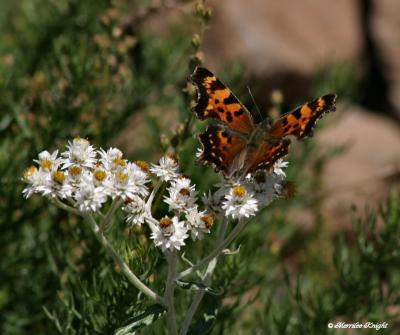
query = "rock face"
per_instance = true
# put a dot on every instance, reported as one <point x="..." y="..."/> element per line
<point x="363" y="174"/>
<point x="271" y="36"/>
<point x="386" y="28"/>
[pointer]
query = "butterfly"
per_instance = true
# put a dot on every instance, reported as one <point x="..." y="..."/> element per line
<point x="237" y="145"/>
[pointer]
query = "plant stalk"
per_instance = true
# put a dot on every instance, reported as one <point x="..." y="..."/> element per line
<point x="169" y="293"/>
<point x="207" y="280"/>
<point x="133" y="279"/>
<point x="216" y="252"/>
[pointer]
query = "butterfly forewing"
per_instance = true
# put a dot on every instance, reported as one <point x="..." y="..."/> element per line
<point x="301" y="121"/>
<point x="215" y="100"/>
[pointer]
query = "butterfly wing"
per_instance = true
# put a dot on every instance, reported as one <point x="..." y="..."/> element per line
<point x="301" y="121"/>
<point x="215" y="100"/>
<point x="265" y="155"/>
<point x="222" y="149"/>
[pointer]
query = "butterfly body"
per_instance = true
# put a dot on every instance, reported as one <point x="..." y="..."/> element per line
<point x="237" y="145"/>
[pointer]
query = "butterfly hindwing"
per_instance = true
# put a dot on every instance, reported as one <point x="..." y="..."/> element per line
<point x="215" y="100"/>
<point x="221" y="148"/>
<point x="301" y="121"/>
<point x="265" y="155"/>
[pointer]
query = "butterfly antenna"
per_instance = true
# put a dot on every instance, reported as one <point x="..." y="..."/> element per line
<point x="254" y="102"/>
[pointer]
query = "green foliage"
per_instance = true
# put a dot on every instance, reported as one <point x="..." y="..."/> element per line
<point x="77" y="68"/>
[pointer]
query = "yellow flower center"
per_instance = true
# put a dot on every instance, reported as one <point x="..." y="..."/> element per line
<point x="144" y="166"/>
<point x="59" y="177"/>
<point x="208" y="220"/>
<point x="122" y="177"/>
<point x="185" y="192"/>
<point x="81" y="140"/>
<point x="119" y="162"/>
<point x="100" y="175"/>
<point x="172" y="156"/>
<point x="75" y="170"/>
<point x="30" y="171"/>
<point x="46" y="164"/>
<point x="239" y="191"/>
<point x="165" y="222"/>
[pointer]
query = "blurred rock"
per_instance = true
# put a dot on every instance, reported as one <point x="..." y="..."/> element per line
<point x="364" y="173"/>
<point x="386" y="27"/>
<point x="279" y="36"/>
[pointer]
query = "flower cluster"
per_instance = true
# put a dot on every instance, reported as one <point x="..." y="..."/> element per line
<point x="87" y="178"/>
<point x="246" y="196"/>
<point x="183" y="205"/>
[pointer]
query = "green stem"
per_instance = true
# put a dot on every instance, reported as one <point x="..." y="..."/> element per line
<point x="207" y="280"/>
<point x="215" y="253"/>
<point x="150" y="220"/>
<point x="107" y="219"/>
<point x="66" y="207"/>
<point x="132" y="278"/>
<point x="169" y="293"/>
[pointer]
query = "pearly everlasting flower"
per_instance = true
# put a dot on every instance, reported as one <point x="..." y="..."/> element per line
<point x="75" y="174"/>
<point x="47" y="161"/>
<point x="112" y="159"/>
<point x="127" y="182"/>
<point x="198" y="223"/>
<point x="170" y="234"/>
<point x="240" y="203"/>
<point x="89" y="198"/>
<point x="100" y="175"/>
<point x="57" y="185"/>
<point x="279" y="165"/>
<point x="166" y="169"/>
<point x="136" y="210"/>
<point x="182" y="195"/>
<point x="79" y="153"/>
<point x="37" y="181"/>
<point x="213" y="201"/>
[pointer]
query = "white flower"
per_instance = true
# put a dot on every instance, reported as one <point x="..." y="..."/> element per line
<point x="136" y="210"/>
<point x="167" y="168"/>
<point x="75" y="173"/>
<point x="112" y="159"/>
<point x="279" y="165"/>
<point x="170" y="234"/>
<point x="89" y="197"/>
<point x="52" y="184"/>
<point x="182" y="195"/>
<point x="199" y="223"/>
<point x="127" y="183"/>
<point x="47" y="161"/>
<point x="56" y="186"/>
<point x="240" y="203"/>
<point x="79" y="153"/>
<point x="37" y="181"/>
<point x="100" y="175"/>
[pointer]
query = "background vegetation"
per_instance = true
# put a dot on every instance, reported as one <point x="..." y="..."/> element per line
<point x="107" y="71"/>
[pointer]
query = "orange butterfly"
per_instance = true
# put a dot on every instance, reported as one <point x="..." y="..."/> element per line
<point x="237" y="145"/>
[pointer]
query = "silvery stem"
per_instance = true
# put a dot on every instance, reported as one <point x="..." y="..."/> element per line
<point x="169" y="292"/>
<point x="132" y="278"/>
